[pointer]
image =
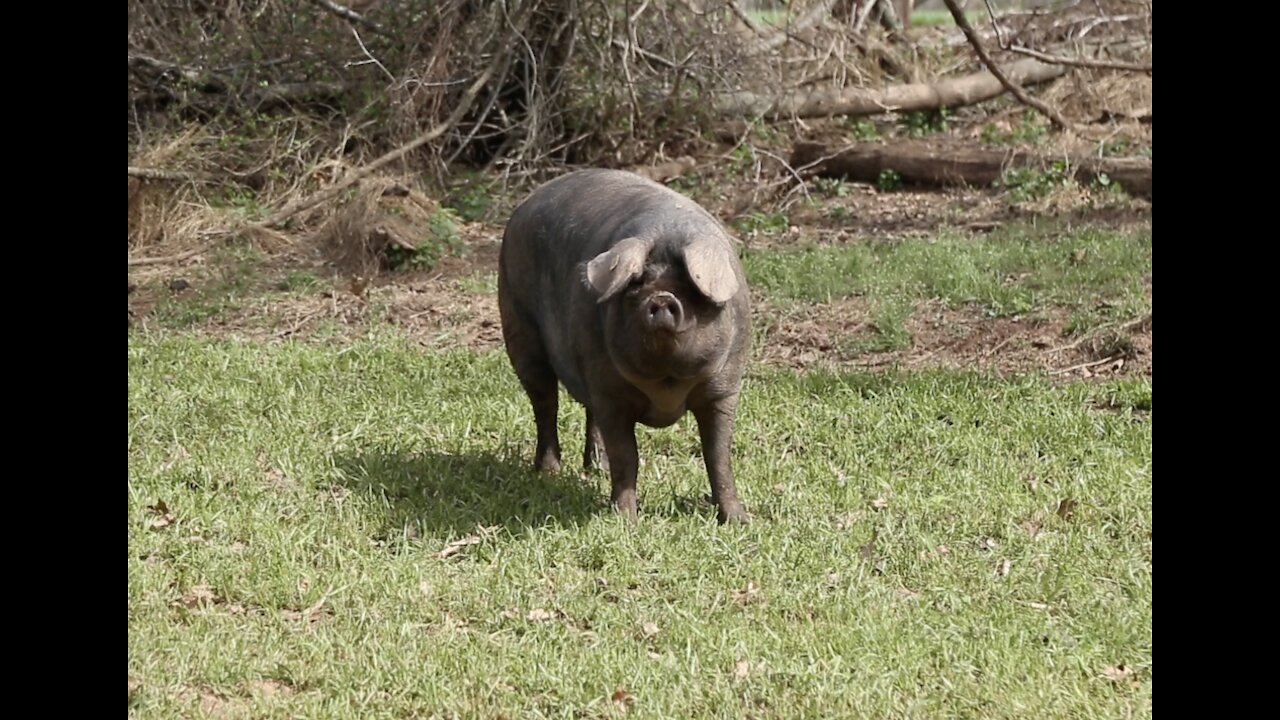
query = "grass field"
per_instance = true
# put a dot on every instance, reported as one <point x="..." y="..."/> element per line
<point x="338" y="529"/>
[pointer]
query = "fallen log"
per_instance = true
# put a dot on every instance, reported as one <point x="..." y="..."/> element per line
<point x="919" y="163"/>
<point x="950" y="93"/>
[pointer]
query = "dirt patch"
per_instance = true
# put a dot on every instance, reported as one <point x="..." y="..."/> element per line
<point x="830" y="336"/>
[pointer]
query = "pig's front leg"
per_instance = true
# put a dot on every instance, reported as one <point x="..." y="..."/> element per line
<point x="715" y="427"/>
<point x="619" y="437"/>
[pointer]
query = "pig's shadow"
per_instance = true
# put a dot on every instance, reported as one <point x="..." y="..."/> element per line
<point x="444" y="494"/>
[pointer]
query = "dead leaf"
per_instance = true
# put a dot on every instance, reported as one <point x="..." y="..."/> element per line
<point x="751" y="589"/>
<point x="425" y="588"/>
<point x="833" y="579"/>
<point x="988" y="543"/>
<point x="944" y="550"/>
<point x="211" y="703"/>
<point x="358" y="284"/>
<point x="655" y="655"/>
<point x="269" y="688"/>
<point x="311" y="614"/>
<point x="539" y="615"/>
<point x="239" y="546"/>
<point x="906" y="594"/>
<point x="1004" y="567"/>
<point x="780" y="488"/>
<point x="868" y="551"/>
<point x="200" y="595"/>
<point x="475" y="538"/>
<point x="649" y="629"/>
<point x="880" y="503"/>
<point x="623" y="698"/>
<point x="1033" y="527"/>
<point x="134" y="685"/>
<point x="742" y="669"/>
<point x="276" y="478"/>
<point x="848" y="520"/>
<point x="1118" y="673"/>
<point x="1066" y="508"/>
<point x="1079" y="255"/>
<point x="174" y="458"/>
<point x="1037" y="605"/>
<point x="668" y="170"/>
<point x="457" y="546"/>
<point x="1032" y="482"/>
<point x="164" y="516"/>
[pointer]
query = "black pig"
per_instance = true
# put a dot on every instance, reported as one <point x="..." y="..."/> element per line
<point x="632" y="296"/>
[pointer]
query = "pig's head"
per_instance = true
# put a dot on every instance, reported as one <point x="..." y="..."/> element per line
<point x="667" y="303"/>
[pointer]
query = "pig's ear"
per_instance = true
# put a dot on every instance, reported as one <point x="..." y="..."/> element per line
<point x="710" y="265"/>
<point x="610" y="271"/>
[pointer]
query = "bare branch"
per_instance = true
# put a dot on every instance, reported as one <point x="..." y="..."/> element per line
<point x="166" y="259"/>
<point x="350" y="15"/>
<point x="1081" y="62"/>
<point x="144" y="173"/>
<point x="962" y="22"/>
<point x="746" y="19"/>
<point x="371" y="59"/>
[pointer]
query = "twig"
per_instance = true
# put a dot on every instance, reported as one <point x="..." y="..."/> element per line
<point x="962" y="22"/>
<point x="1081" y="62"/>
<point x="1084" y="366"/>
<point x="300" y="322"/>
<point x="804" y="186"/>
<point x="165" y="259"/>
<point x="350" y="15"/>
<point x="746" y="19"/>
<point x="371" y="59"/>
<point x="1140" y="320"/>
<point x="999" y="346"/>
<point x="812" y="17"/>
<point x="146" y="173"/>
<point x="628" y="47"/>
<point x="860" y="17"/>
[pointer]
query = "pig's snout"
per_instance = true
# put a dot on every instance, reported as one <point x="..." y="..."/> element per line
<point x="662" y="311"/>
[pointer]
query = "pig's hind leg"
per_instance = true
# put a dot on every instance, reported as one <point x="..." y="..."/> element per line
<point x="529" y="360"/>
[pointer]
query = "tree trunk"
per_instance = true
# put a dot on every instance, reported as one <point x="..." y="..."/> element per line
<point x="949" y="92"/>
<point x="919" y="163"/>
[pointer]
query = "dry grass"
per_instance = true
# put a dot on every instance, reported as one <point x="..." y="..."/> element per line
<point x="383" y="213"/>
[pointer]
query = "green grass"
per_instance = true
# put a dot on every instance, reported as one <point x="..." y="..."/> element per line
<point x="308" y="490"/>
<point x="934" y="18"/>
<point x="1008" y="272"/>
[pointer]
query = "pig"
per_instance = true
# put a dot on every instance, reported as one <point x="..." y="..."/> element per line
<point x="631" y="295"/>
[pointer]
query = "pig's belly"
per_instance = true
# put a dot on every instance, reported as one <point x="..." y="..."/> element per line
<point x="668" y="400"/>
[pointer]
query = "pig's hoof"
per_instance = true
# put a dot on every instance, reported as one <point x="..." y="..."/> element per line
<point x="734" y="515"/>
<point x="625" y="508"/>
<point x="547" y="463"/>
